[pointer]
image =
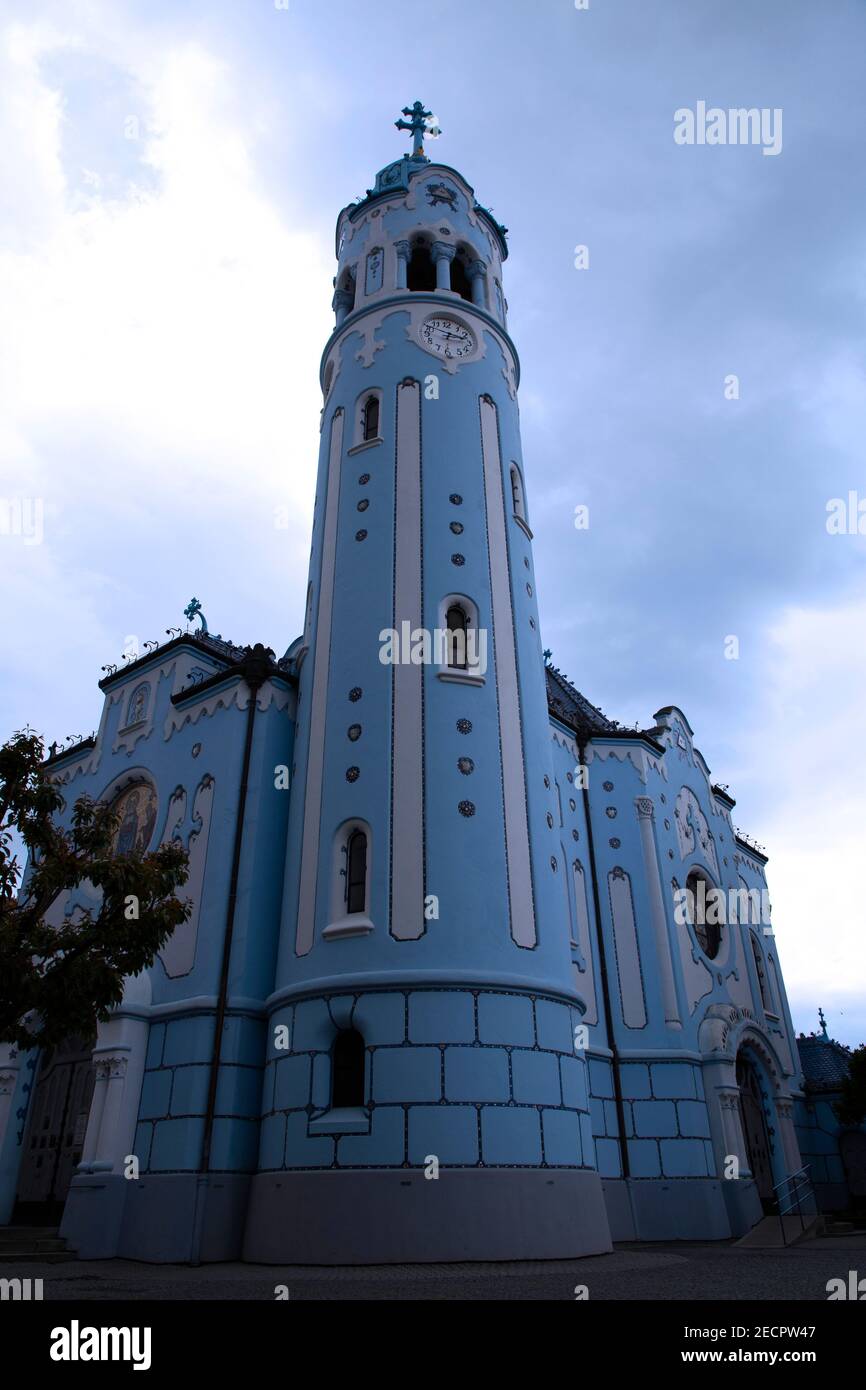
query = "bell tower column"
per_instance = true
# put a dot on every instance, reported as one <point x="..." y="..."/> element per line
<point x="426" y="1006"/>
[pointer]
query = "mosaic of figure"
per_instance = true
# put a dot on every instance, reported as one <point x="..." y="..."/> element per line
<point x="137" y="810"/>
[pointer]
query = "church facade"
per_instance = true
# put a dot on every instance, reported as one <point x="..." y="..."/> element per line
<point x="441" y="995"/>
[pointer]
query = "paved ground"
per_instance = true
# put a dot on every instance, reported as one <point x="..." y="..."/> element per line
<point x="658" y="1272"/>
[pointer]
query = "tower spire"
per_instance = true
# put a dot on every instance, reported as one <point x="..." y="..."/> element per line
<point x="418" y="125"/>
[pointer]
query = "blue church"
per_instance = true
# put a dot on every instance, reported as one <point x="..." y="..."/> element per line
<point x="437" y="998"/>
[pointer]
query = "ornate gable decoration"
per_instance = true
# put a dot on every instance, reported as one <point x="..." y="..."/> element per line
<point x="693" y="831"/>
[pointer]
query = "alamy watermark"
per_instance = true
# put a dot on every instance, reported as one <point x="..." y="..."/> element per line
<point x="22" y="516"/>
<point x="738" y="125"/>
<point x="455" y="648"/>
<point x="715" y="907"/>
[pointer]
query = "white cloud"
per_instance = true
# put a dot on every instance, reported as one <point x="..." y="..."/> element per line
<point x="808" y="743"/>
<point x="158" y="347"/>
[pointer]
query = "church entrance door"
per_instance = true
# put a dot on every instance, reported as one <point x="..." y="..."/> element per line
<point x="54" y="1137"/>
<point x="755" y="1129"/>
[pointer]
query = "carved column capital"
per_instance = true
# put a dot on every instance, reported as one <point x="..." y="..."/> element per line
<point x="443" y="251"/>
<point x="644" y="807"/>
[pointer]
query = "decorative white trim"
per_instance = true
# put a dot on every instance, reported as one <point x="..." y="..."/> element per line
<point x="520" y="894"/>
<point x="308" y="876"/>
<point x="407" y="752"/>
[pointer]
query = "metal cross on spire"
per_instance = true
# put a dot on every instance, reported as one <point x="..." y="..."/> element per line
<point x="417" y="125"/>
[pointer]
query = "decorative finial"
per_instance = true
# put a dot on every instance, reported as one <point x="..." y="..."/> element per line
<point x="823" y="1022"/>
<point x="418" y="126"/>
<point x="547" y="656"/>
<point x="193" y="610"/>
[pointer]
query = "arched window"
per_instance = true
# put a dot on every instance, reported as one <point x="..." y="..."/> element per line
<point x="460" y="642"/>
<point x="348" y="286"/>
<point x="763" y="983"/>
<point x="421" y="272"/>
<point x="347" y="1071"/>
<point x="705" y="913"/>
<point x="518" y="501"/>
<point x="456" y="625"/>
<point x="460" y="282"/>
<point x="370" y="424"/>
<point x="356" y="872"/>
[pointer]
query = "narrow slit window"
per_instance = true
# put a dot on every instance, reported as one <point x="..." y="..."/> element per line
<point x="517" y="499"/>
<point x="356" y="872"/>
<point x="456" y="624"/>
<point x="347" y="1064"/>
<point x="371" y="418"/>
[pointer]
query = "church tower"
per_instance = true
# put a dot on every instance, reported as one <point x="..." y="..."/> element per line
<point x="425" y="1091"/>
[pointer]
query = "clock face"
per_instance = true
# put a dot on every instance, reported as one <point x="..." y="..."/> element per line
<point x="447" y="338"/>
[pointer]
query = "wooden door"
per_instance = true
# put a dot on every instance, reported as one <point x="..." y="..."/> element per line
<point x="54" y="1136"/>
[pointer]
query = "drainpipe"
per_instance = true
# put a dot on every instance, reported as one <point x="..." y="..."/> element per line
<point x="602" y="960"/>
<point x="254" y="669"/>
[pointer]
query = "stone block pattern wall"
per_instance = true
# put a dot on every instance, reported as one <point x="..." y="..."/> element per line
<point x="666" y="1119"/>
<point x="477" y="1078"/>
<point x="818" y="1130"/>
<point x="174" y="1095"/>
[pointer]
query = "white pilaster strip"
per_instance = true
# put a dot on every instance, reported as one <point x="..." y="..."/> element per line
<point x="627" y="950"/>
<point x="521" y="906"/>
<point x="407" y="761"/>
<point x="645" y="812"/>
<point x="319" y="701"/>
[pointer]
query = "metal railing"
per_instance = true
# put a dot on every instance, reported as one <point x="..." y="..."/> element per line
<point x="795" y="1195"/>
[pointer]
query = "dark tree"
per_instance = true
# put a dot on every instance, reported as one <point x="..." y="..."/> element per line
<point x="852" y="1107"/>
<point x="61" y="979"/>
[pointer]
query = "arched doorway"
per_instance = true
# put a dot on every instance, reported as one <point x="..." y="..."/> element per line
<point x="54" y="1135"/>
<point x="755" y="1130"/>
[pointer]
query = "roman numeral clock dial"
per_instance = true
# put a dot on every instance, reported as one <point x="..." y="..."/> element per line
<point x="447" y="338"/>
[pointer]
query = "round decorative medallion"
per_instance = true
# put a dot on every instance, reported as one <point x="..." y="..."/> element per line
<point x="608" y="786"/>
<point x="456" y="499"/>
<point x="457" y="527"/>
<point x="352" y="774"/>
<point x="532" y="623"/>
<point x="610" y="812"/>
<point x="550" y="820"/>
<point x="354" y="732"/>
<point x="464" y="726"/>
<point x="572" y="803"/>
<point x="465" y="765"/>
<point x="575" y="834"/>
<point x="569" y="777"/>
<point x="667" y="825"/>
<point x="363" y="504"/>
<point x="529" y="590"/>
<point x="355" y="694"/>
<point x="553" y="864"/>
<point x="364" y="479"/>
<point x="458" y="560"/>
<point x="466" y="808"/>
<point x="547" y="781"/>
<point x="614" y="842"/>
<point x="196" y="749"/>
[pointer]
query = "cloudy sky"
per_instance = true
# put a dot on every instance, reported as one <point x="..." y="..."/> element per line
<point x="170" y="175"/>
